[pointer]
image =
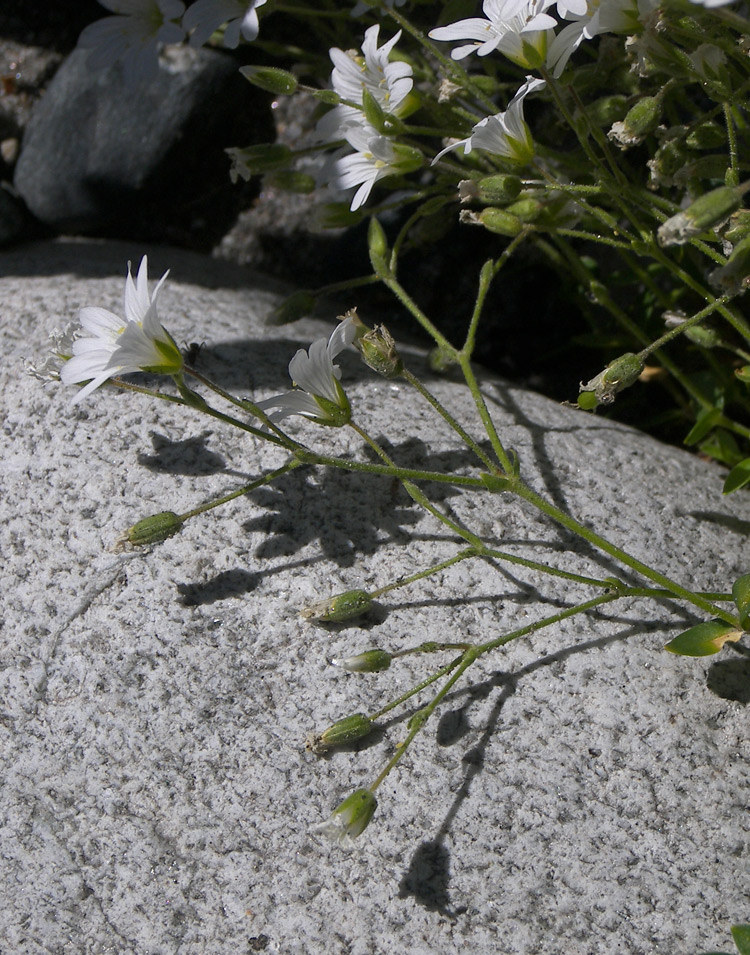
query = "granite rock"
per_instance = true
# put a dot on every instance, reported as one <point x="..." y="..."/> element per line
<point x="583" y="792"/>
<point x="146" y="163"/>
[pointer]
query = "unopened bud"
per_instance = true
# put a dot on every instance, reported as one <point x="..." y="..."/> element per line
<point x="344" y="606"/>
<point x="738" y="227"/>
<point x="271" y="78"/>
<point x="526" y="209"/>
<point x="606" y="110"/>
<point x="496" y="220"/>
<point x="741" y="594"/>
<point x="440" y="359"/>
<point x="708" y="135"/>
<point x="151" y="530"/>
<point x="297" y="306"/>
<point x="639" y="121"/>
<point x="734" y="276"/>
<point x="253" y="160"/>
<point x="370" y="661"/>
<point x="500" y="188"/>
<point x="378" y="350"/>
<point x="617" y="376"/>
<point x="334" y="215"/>
<point x="705" y="213"/>
<point x="349" y="819"/>
<point x="378" y="248"/>
<point x="345" y="731"/>
<point x="290" y="180"/>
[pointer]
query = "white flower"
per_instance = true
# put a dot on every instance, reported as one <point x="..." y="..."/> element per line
<point x="517" y="28"/>
<point x="204" y="17"/>
<point x="117" y="346"/>
<point x="133" y="37"/>
<point x="318" y="395"/>
<point x="599" y="16"/>
<point x="388" y="83"/>
<point x="710" y="4"/>
<point x="505" y="134"/>
<point x="374" y="159"/>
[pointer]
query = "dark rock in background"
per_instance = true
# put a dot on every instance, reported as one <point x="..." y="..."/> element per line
<point x="147" y="163"/>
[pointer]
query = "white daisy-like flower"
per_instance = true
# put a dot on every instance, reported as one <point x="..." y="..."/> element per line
<point x="388" y="83"/>
<point x="374" y="158"/>
<point x="133" y="36"/>
<point x="504" y="134"/>
<point x="116" y="346"/>
<point x="318" y="394"/>
<point x="599" y="16"/>
<point x="517" y="28"/>
<point x="204" y="17"/>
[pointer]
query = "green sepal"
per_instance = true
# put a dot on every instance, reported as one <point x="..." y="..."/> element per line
<point x="744" y="374"/>
<point x="352" y="603"/>
<point x="741" y="594"/>
<point x="738" y="477"/>
<point x="373" y="111"/>
<point x="741" y="936"/>
<point x="342" y="732"/>
<point x="495" y="483"/>
<point x="378" y="248"/>
<point x="704" y="639"/>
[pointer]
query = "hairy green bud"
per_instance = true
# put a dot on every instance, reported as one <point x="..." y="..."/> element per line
<point x="370" y="661"/>
<point x="618" y="375"/>
<point x="499" y="188"/>
<point x="152" y="530"/>
<point x="352" y="603"/>
<point x="271" y="78"/>
<point x="639" y="121"/>
<point x="378" y="248"/>
<point x="297" y="306"/>
<point x="347" y="730"/>
<point x="349" y="819"/>
<point x="705" y="213"/>
<point x="496" y="220"/>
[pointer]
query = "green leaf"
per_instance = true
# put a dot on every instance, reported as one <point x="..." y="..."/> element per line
<point x="705" y="422"/>
<point x="738" y="477"/>
<point x="704" y="639"/>
<point x="741" y="936"/>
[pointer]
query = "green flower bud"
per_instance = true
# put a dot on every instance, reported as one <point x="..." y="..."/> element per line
<point x="738" y="227"/>
<point x="373" y="111"/>
<point x="152" y="530"/>
<point x="705" y="213"/>
<point x="289" y="180"/>
<point x="734" y="277"/>
<point x="617" y="376"/>
<point x="347" y="730"/>
<point x="708" y="135"/>
<point x="297" y="306"/>
<point x="526" y="209"/>
<point x="335" y="215"/>
<point x="500" y="188"/>
<point x="607" y="110"/>
<point x="639" y="121"/>
<point x="496" y="220"/>
<point x="349" y="819"/>
<point x="271" y="78"/>
<point x="440" y="359"/>
<point x="743" y="374"/>
<point x="378" y="248"/>
<point x="378" y="350"/>
<point x="352" y="603"/>
<point x="253" y="160"/>
<point x="370" y="661"/>
<point x="741" y="594"/>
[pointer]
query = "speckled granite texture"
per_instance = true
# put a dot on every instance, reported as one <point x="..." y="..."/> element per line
<point x="585" y="792"/>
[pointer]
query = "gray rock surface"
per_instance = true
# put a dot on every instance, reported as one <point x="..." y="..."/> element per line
<point x="148" y="162"/>
<point x="583" y="792"/>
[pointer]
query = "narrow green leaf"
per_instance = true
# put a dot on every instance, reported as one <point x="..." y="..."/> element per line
<point x="704" y="639"/>
<point x="705" y="422"/>
<point x="738" y="477"/>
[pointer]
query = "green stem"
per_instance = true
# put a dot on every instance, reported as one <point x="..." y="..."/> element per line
<point x="436" y="568"/>
<point x="245" y="489"/>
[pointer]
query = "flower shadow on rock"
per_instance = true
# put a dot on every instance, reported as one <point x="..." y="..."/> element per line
<point x="189" y="456"/>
